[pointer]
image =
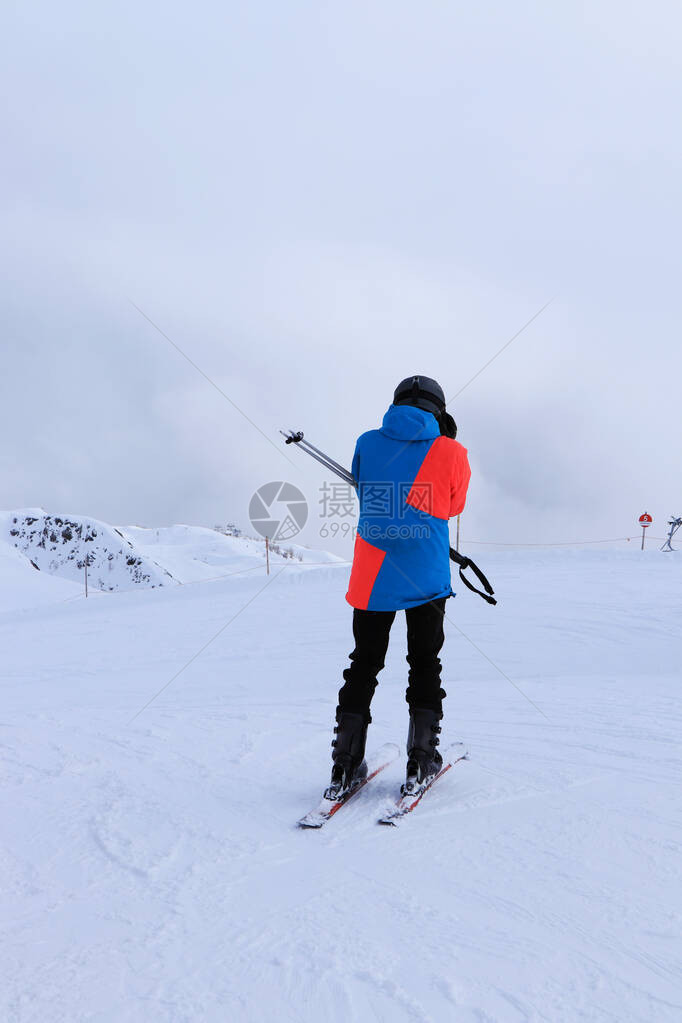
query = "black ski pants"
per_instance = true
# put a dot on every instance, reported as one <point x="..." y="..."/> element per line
<point x="425" y="639"/>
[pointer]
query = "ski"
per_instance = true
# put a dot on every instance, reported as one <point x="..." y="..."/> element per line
<point x="326" y="808"/>
<point x="406" y="804"/>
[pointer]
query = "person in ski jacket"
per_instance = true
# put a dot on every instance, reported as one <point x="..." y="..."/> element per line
<point x="412" y="476"/>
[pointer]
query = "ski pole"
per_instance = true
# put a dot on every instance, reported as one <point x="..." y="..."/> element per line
<point x="319" y="456"/>
<point x="325" y="459"/>
<point x="341" y="473"/>
<point x="329" y="462"/>
<point x="328" y="458"/>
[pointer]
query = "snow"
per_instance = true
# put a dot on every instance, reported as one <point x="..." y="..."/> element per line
<point x="21" y="586"/>
<point x="151" y="866"/>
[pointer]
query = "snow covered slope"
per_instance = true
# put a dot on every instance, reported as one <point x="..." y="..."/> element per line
<point x="151" y="867"/>
<point x="194" y="553"/>
<point x="123" y="557"/>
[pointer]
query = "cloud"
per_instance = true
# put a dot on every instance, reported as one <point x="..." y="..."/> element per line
<point x="313" y="202"/>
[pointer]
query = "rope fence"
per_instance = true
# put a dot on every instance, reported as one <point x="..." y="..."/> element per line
<point x="562" y="543"/>
<point x="332" y="564"/>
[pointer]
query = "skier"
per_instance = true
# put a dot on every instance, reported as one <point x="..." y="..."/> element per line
<point x="412" y="476"/>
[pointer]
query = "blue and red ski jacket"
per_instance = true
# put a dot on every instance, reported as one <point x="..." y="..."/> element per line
<point x="411" y="480"/>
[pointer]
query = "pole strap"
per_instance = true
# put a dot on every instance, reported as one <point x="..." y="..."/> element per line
<point x="465" y="563"/>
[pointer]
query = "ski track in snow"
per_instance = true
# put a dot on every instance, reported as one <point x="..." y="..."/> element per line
<point x="152" y="870"/>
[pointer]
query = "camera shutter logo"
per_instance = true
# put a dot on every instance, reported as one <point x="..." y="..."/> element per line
<point x="278" y="511"/>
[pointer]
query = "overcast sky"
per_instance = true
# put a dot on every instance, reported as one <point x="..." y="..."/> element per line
<point x="314" y="200"/>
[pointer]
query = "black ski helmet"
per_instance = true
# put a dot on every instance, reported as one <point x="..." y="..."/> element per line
<point x="422" y="392"/>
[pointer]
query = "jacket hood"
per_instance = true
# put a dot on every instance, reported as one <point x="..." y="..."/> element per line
<point x="404" y="422"/>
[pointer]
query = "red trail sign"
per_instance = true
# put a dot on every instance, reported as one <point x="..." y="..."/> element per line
<point x="645" y="521"/>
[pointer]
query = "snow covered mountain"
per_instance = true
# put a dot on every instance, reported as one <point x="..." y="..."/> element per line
<point x="123" y="557"/>
<point x="158" y="746"/>
<point x="60" y="544"/>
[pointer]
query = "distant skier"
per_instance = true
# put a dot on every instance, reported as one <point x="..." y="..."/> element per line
<point x="412" y="476"/>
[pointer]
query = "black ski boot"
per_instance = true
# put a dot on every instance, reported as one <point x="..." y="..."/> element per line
<point x="423" y="759"/>
<point x="349" y="754"/>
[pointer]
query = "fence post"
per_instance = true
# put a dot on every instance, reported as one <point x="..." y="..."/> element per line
<point x="86" y="575"/>
<point x="267" y="555"/>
